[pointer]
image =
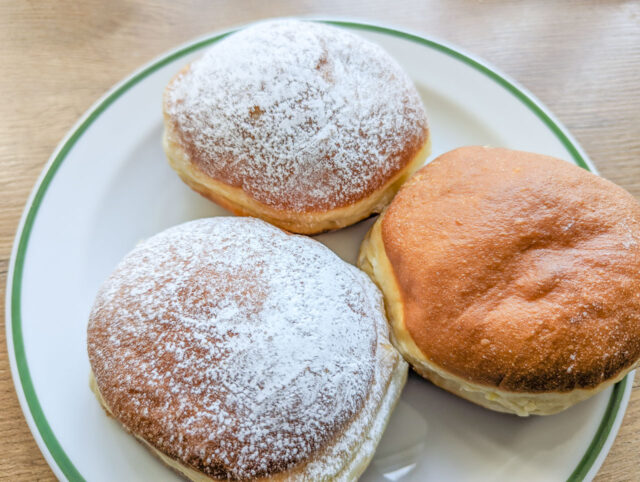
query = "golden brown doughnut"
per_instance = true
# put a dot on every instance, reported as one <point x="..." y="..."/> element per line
<point x="511" y="279"/>
<point x="302" y="124"/>
<point x="235" y="350"/>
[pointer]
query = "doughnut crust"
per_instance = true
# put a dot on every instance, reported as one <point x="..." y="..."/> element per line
<point x="235" y="350"/>
<point x="301" y="124"/>
<point x="511" y="279"/>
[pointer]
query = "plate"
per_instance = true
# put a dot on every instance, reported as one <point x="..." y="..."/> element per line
<point x="108" y="186"/>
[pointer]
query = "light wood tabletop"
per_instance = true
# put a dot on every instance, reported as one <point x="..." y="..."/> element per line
<point x="580" y="58"/>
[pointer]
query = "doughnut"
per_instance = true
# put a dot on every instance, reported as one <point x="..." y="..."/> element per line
<point x="511" y="279"/>
<point x="234" y="350"/>
<point x="301" y="124"/>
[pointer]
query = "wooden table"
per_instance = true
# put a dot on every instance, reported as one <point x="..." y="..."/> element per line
<point x="581" y="58"/>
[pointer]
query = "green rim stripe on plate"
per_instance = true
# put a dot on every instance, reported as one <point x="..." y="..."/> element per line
<point x="49" y="438"/>
<point x="524" y="98"/>
<point x="599" y="439"/>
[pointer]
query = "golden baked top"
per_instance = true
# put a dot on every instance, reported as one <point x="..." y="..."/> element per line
<point x="302" y="116"/>
<point x="234" y="347"/>
<point x="517" y="270"/>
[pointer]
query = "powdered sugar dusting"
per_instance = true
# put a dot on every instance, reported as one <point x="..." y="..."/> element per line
<point x="234" y="347"/>
<point x="300" y="115"/>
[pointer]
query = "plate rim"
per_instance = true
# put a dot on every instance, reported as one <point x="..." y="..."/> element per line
<point x="38" y="424"/>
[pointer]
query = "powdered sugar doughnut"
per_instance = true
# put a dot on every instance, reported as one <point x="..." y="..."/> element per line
<point x="299" y="123"/>
<point x="236" y="350"/>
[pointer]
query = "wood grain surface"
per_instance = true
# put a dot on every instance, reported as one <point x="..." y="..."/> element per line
<point x="581" y="58"/>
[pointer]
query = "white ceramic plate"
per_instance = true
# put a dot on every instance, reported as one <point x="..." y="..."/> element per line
<point x="108" y="185"/>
